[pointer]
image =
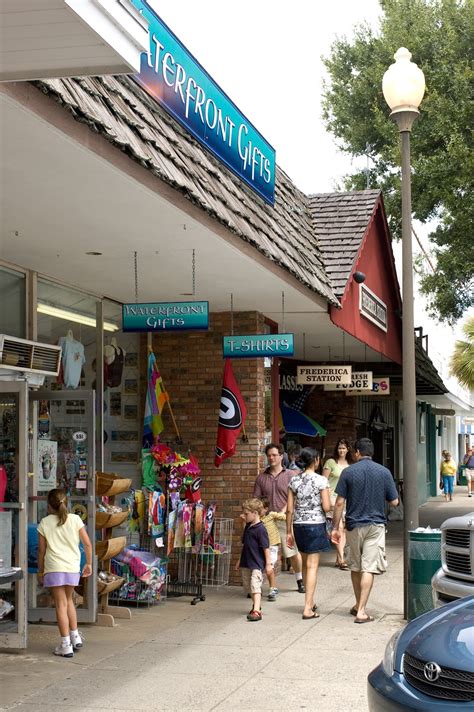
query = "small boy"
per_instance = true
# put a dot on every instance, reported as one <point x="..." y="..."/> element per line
<point x="255" y="556"/>
<point x="268" y="520"/>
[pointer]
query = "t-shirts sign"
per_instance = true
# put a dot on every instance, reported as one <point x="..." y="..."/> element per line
<point x="323" y="374"/>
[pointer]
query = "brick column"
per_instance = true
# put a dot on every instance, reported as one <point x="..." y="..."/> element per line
<point x="191" y="365"/>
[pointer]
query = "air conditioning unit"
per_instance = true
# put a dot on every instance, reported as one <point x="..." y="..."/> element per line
<point x="29" y="360"/>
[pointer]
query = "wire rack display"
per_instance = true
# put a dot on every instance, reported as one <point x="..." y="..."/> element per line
<point x="209" y="566"/>
<point x="144" y="572"/>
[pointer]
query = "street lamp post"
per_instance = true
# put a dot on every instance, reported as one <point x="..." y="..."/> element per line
<point x="403" y="88"/>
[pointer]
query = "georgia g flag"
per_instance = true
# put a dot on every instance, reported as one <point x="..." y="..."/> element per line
<point x="232" y="414"/>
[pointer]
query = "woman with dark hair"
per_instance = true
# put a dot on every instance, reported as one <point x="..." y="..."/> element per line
<point x="308" y="502"/>
<point x="342" y="458"/>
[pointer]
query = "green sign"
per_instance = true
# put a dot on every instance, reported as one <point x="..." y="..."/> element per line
<point x="256" y="345"/>
<point x="165" y="316"/>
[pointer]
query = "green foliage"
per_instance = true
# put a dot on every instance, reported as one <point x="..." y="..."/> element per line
<point x="440" y="36"/>
<point x="462" y="360"/>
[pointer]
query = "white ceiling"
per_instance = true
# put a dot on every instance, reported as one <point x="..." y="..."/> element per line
<point x="59" y="201"/>
<point x="64" y="38"/>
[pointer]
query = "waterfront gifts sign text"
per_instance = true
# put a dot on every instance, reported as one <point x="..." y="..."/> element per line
<point x="171" y="74"/>
<point x="165" y="316"/>
<point x="257" y="345"/>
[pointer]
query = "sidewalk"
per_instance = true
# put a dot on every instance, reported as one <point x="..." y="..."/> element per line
<point x="208" y="657"/>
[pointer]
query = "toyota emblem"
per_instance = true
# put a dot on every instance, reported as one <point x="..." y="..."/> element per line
<point x="432" y="671"/>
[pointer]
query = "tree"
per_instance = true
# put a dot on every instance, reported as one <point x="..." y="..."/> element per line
<point x="462" y="360"/>
<point x="440" y="36"/>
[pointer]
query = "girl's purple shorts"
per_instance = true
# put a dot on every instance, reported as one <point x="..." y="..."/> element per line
<point x="61" y="579"/>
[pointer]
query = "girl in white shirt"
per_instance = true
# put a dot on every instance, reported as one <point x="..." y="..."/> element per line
<point x="59" y="560"/>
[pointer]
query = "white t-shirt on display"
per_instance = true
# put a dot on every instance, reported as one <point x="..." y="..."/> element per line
<point x="73" y="360"/>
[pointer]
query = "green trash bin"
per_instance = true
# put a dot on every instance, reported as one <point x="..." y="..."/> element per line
<point x="462" y="475"/>
<point x="424" y="559"/>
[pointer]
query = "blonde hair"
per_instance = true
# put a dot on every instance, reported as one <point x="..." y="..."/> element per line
<point x="57" y="500"/>
<point x="253" y="505"/>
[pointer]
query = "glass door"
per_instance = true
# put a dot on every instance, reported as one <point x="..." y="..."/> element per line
<point x="63" y="455"/>
<point x="13" y="540"/>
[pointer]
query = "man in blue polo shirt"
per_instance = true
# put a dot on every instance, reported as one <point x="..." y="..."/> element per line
<point x="363" y="488"/>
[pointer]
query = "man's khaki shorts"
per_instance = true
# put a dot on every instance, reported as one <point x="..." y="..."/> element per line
<point x="286" y="551"/>
<point x="469" y="474"/>
<point x="367" y="549"/>
<point x="252" y="580"/>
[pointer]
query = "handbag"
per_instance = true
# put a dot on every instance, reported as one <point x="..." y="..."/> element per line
<point x="328" y="527"/>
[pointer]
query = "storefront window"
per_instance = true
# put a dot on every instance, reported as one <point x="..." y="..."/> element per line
<point x="123" y="420"/>
<point x="13" y="301"/>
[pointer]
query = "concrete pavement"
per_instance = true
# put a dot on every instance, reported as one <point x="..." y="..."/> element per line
<point x="208" y="657"/>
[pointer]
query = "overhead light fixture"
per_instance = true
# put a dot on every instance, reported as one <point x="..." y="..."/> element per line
<point x="69" y="315"/>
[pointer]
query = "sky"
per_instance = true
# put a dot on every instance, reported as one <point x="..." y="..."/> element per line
<point x="266" y="55"/>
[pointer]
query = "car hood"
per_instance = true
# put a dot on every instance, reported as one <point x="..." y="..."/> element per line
<point x="444" y="636"/>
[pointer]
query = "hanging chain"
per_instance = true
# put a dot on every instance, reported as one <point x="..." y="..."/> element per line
<point x="283" y="312"/>
<point x="304" y="346"/>
<point x="194" y="272"/>
<point x="231" y="314"/>
<point x="135" y="261"/>
<point x="343" y="346"/>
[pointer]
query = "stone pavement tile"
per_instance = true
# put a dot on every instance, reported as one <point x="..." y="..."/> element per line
<point x="137" y="690"/>
<point x="271" y="695"/>
<point x="167" y="659"/>
<point x="270" y="632"/>
<point x="27" y="707"/>
<point x="15" y="686"/>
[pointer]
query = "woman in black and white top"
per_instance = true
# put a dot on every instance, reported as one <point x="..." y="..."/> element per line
<point x="308" y="502"/>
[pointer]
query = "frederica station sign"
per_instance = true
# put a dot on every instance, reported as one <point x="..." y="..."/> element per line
<point x="172" y="76"/>
<point x="324" y="374"/>
<point x="257" y="345"/>
<point x="165" y="316"/>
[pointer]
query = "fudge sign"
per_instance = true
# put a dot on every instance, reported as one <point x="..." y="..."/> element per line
<point x="324" y="374"/>
<point x="361" y="380"/>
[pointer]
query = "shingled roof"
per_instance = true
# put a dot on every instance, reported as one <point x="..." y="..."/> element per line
<point x="339" y="223"/>
<point x="125" y="115"/>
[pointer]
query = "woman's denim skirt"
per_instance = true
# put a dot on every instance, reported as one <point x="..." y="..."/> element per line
<point x="311" y="538"/>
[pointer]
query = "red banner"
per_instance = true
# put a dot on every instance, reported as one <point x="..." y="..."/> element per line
<point x="232" y="414"/>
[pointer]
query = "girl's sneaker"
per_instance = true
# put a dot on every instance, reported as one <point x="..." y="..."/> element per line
<point x="272" y="594"/>
<point x="77" y="640"/>
<point x="65" y="650"/>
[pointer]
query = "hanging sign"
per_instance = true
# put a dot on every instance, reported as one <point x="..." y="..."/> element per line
<point x="322" y="374"/>
<point x="361" y="380"/>
<point x="165" y="316"/>
<point x="380" y="387"/>
<point x="176" y="80"/>
<point x="256" y="345"/>
<point x="372" y="307"/>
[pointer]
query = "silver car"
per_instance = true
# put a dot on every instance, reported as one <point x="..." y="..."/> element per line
<point x="455" y="578"/>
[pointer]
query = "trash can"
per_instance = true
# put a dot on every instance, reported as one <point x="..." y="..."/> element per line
<point x="462" y="475"/>
<point x="424" y="559"/>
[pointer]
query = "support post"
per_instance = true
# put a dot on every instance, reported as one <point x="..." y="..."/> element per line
<point x="405" y="121"/>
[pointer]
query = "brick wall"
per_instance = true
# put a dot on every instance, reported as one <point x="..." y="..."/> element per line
<point x="336" y="412"/>
<point x="191" y="365"/>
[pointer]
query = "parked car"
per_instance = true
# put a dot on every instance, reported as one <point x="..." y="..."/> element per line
<point x="455" y="578"/>
<point x="429" y="664"/>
